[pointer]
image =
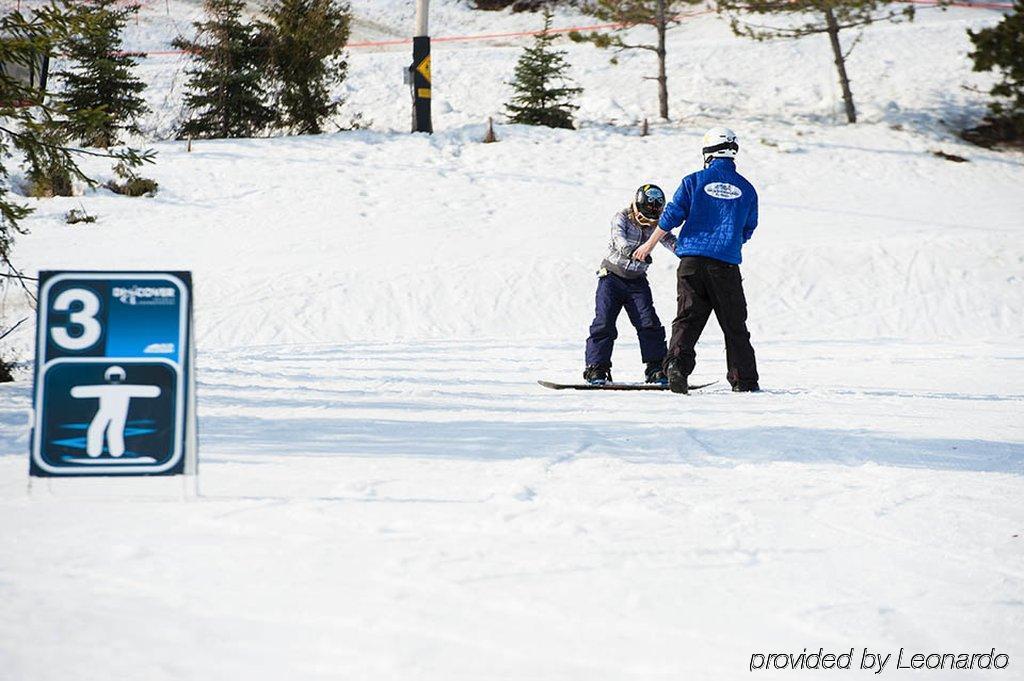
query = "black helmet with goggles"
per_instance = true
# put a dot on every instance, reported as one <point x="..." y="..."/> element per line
<point x="648" y="203"/>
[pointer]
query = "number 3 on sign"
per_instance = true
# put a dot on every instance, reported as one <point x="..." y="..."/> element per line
<point x="84" y="318"/>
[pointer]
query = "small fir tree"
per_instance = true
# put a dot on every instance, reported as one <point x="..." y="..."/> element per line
<point x="662" y="15"/>
<point x="307" y="39"/>
<point x="48" y="164"/>
<point x="26" y="37"/>
<point x="1001" y="49"/>
<point x="40" y="132"/>
<point x="828" y="17"/>
<point x="226" y="87"/>
<point x="543" y="91"/>
<point x="100" y="75"/>
<point x="6" y="369"/>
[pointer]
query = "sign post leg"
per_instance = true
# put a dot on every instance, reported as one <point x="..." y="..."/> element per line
<point x="191" y="477"/>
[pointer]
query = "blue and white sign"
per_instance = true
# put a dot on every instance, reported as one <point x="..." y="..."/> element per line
<point x="113" y="382"/>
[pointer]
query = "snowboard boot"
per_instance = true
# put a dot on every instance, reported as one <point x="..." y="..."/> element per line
<point x="597" y="374"/>
<point x="746" y="387"/>
<point x="676" y="378"/>
<point x="655" y="374"/>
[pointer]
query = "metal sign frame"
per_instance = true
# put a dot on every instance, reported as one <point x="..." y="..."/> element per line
<point x="183" y="457"/>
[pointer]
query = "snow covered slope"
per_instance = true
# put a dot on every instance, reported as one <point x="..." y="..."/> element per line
<point x="865" y="231"/>
<point x="388" y="494"/>
<point x="374" y="236"/>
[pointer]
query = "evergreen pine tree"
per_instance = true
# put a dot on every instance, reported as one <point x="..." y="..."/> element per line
<point x="1001" y="48"/>
<point x="543" y="94"/>
<point x="100" y="74"/>
<point x="41" y="132"/>
<point x="226" y="88"/>
<point x="307" y="39"/>
<point x="25" y="38"/>
<point x="49" y="168"/>
<point x="38" y="132"/>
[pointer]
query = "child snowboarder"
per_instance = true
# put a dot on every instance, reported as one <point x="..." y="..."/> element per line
<point x="622" y="282"/>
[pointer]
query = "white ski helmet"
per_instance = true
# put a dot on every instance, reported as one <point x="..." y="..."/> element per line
<point x="719" y="142"/>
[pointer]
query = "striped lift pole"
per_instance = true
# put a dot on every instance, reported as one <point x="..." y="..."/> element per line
<point x="420" y="71"/>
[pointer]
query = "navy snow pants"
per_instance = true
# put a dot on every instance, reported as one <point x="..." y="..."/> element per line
<point x="613" y="294"/>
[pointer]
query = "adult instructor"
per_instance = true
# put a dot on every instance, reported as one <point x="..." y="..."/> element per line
<point x="719" y="208"/>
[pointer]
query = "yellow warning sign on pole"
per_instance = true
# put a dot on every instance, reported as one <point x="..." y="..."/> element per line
<point x="424" y="68"/>
<point x="420" y="72"/>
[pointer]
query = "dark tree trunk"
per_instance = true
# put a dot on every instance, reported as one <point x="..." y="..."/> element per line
<point x="662" y="77"/>
<point x="837" y="52"/>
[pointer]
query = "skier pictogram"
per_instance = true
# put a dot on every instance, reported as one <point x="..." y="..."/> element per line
<point x="114" y="400"/>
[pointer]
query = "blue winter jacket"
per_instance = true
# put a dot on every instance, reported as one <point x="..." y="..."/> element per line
<point x="720" y="210"/>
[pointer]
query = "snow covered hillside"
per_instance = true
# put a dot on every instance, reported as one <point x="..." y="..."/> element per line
<point x="387" y="494"/>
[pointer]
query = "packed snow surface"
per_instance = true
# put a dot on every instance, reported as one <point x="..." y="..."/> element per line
<point x="385" y="492"/>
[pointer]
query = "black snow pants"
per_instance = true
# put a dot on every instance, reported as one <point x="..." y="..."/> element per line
<point x="705" y="285"/>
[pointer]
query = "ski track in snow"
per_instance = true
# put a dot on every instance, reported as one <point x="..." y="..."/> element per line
<point x="479" y="400"/>
<point x="386" y="491"/>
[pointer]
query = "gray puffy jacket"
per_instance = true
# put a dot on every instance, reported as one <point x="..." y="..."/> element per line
<point x="627" y="236"/>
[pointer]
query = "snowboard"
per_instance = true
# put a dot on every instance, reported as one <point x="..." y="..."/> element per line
<point x="615" y="386"/>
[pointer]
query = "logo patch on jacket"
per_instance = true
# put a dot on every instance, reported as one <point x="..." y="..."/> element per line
<point x="722" y="190"/>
